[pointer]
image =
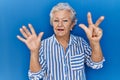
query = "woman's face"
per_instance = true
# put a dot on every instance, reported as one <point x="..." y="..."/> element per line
<point x="62" y="23"/>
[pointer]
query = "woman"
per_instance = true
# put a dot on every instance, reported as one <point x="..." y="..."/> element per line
<point x="62" y="56"/>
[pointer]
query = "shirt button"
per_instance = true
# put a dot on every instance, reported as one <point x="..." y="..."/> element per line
<point x="65" y="75"/>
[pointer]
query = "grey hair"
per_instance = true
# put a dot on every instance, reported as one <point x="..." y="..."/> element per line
<point x="63" y="6"/>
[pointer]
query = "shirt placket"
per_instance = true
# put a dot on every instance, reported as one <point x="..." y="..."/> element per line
<point x="66" y="64"/>
<point x="66" y="69"/>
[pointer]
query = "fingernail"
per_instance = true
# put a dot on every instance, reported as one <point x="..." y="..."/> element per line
<point x="80" y="24"/>
<point x="29" y="24"/>
<point x="17" y="36"/>
<point x="89" y="13"/>
<point x="23" y="26"/>
<point x="20" y="29"/>
<point x="102" y="17"/>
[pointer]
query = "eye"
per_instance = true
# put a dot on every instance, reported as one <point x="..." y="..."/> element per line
<point x="65" y="20"/>
<point x="56" y="20"/>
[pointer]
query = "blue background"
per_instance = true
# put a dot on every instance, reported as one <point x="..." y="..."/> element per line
<point x="14" y="55"/>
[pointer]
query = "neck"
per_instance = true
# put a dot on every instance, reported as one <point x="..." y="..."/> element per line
<point x="63" y="40"/>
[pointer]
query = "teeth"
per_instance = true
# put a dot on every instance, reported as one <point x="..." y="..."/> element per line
<point x="60" y="29"/>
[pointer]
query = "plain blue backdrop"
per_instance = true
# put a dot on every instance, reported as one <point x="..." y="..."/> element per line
<point x="14" y="55"/>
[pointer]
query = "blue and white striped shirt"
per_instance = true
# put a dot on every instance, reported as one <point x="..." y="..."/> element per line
<point x="58" y="64"/>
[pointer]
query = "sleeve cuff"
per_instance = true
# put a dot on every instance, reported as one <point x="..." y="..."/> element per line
<point x="97" y="65"/>
<point x="36" y="75"/>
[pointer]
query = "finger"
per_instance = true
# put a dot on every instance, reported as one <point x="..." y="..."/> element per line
<point x="40" y="36"/>
<point x="26" y="31"/>
<point x="97" y="31"/>
<point x="23" y="33"/>
<point x="89" y="18"/>
<point x="84" y="27"/>
<point x="100" y="33"/>
<point x="99" y="21"/>
<point x="21" y="39"/>
<point x="31" y="29"/>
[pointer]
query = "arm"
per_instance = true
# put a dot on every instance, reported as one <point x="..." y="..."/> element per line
<point x="42" y="62"/>
<point x="33" y="43"/>
<point x="88" y="57"/>
<point x="34" y="62"/>
<point x="96" y="55"/>
<point x="94" y="34"/>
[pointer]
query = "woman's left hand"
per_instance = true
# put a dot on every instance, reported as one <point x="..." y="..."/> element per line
<point x="93" y="32"/>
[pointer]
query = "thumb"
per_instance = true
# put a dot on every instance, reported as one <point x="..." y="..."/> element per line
<point x="83" y="27"/>
<point x="40" y="36"/>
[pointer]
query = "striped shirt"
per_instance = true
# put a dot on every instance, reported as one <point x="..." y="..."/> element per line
<point x="58" y="64"/>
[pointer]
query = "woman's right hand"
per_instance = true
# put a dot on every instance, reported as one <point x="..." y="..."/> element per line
<point x="31" y="39"/>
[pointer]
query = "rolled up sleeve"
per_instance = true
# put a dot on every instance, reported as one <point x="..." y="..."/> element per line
<point x="36" y="76"/>
<point x="88" y="60"/>
<point x="94" y="65"/>
<point x="40" y="74"/>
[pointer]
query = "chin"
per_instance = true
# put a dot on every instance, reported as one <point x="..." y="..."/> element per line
<point x="59" y="35"/>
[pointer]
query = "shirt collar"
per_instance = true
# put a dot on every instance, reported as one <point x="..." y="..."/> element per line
<point x="73" y="40"/>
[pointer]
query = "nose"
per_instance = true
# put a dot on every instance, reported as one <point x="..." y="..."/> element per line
<point x="60" y="24"/>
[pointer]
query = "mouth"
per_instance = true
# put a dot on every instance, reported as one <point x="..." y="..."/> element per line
<point x="60" y="29"/>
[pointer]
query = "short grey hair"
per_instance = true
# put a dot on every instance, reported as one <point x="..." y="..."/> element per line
<point x="63" y="6"/>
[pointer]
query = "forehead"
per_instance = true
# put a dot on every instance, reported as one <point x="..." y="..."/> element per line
<point x="62" y="14"/>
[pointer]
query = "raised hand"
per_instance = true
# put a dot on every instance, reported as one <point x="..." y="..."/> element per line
<point x="30" y="38"/>
<point x="93" y="32"/>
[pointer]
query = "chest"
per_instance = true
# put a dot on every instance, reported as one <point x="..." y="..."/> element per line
<point x="70" y="60"/>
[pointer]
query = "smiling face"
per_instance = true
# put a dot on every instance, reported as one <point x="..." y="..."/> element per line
<point x="62" y="23"/>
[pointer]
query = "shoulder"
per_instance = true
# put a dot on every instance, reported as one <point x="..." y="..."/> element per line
<point x="47" y="39"/>
<point x="78" y="39"/>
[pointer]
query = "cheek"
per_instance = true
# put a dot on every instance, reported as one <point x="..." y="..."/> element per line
<point x="54" y="25"/>
<point x="68" y="27"/>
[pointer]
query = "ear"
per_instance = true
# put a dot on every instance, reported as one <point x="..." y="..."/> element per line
<point x="51" y="22"/>
<point x="72" y="25"/>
